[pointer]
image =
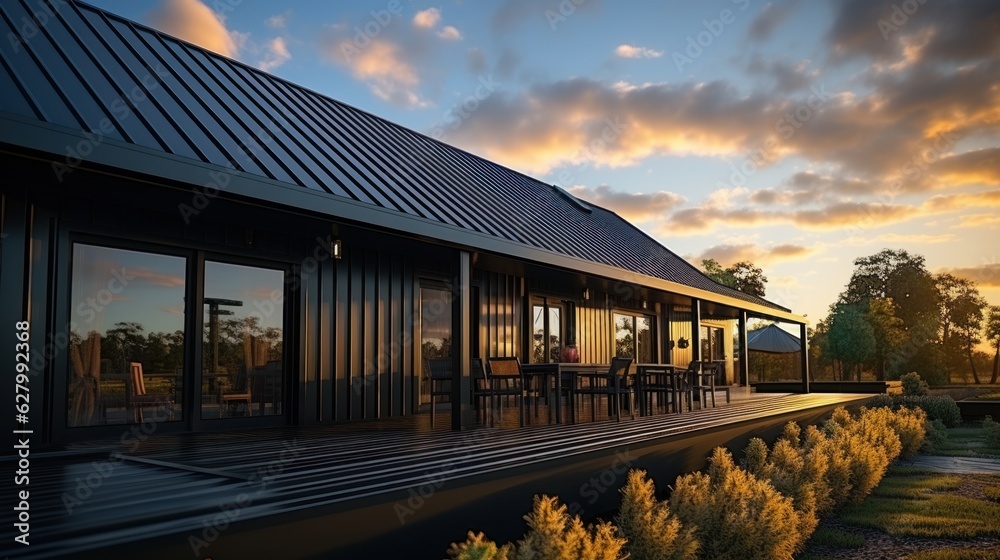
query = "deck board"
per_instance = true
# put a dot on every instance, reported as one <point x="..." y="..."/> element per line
<point x="171" y="484"/>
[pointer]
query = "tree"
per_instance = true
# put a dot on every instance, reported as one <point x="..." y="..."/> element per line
<point x="961" y="316"/>
<point x="749" y="278"/>
<point x="715" y="271"/>
<point x="851" y="337"/>
<point x="888" y="331"/>
<point x="902" y="279"/>
<point x="993" y="334"/>
<point x="743" y="276"/>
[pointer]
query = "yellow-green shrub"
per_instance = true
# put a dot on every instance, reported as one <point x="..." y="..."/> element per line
<point x="651" y="531"/>
<point x="478" y="547"/>
<point x="736" y="515"/>
<point x="554" y="535"/>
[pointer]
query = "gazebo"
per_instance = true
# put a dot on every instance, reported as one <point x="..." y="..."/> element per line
<point x="779" y="348"/>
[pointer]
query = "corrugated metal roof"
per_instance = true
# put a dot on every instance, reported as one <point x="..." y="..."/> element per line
<point x="93" y="71"/>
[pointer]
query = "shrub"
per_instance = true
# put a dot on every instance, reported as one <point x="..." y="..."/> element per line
<point x="735" y="514"/>
<point x="554" y="535"/>
<point x="907" y="423"/>
<point x="651" y="531"/>
<point x="941" y="408"/>
<point x="937" y="436"/>
<point x="478" y="547"/>
<point x="992" y="430"/>
<point x="755" y="458"/>
<point x="913" y="384"/>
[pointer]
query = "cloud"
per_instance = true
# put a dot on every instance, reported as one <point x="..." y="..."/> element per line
<point x="770" y="17"/>
<point x="276" y="55"/>
<point x="584" y="121"/>
<point x="788" y="77"/>
<point x="916" y="238"/>
<point x="477" y="61"/>
<point x="389" y="66"/>
<point x="449" y="33"/>
<point x="990" y="221"/>
<point x="975" y="167"/>
<point x="427" y="18"/>
<point x="155" y="278"/>
<point x="984" y="275"/>
<point x="196" y="23"/>
<point x="629" y="51"/>
<point x="276" y="21"/>
<point x="728" y="255"/>
<point x="635" y="207"/>
<point x="879" y="29"/>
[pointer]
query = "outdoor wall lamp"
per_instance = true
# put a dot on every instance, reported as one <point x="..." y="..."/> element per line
<point x="586" y="293"/>
<point x="645" y="304"/>
<point x="335" y="249"/>
<point x="683" y="343"/>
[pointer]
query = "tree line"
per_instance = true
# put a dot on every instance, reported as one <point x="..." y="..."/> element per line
<point x="894" y="317"/>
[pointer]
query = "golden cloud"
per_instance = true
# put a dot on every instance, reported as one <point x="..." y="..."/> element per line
<point x="196" y="23"/>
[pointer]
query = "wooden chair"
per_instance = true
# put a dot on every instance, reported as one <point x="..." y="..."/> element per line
<point x="439" y="377"/>
<point x="482" y="391"/>
<point x="136" y="397"/>
<point x="239" y="391"/>
<point x="507" y="381"/>
<point x="615" y="384"/>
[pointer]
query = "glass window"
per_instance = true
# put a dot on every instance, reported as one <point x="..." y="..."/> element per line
<point x="634" y="337"/>
<point x="435" y="332"/>
<point x="546" y="339"/>
<point x="126" y="352"/>
<point x="242" y="368"/>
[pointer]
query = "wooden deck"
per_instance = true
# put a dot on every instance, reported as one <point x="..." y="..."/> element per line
<point x="170" y="492"/>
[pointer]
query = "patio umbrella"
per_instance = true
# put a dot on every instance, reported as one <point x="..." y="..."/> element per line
<point x="774" y="340"/>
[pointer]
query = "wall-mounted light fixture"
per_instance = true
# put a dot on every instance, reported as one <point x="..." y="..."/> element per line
<point x="335" y="249"/>
<point x="645" y="304"/>
<point x="586" y="293"/>
<point x="683" y="343"/>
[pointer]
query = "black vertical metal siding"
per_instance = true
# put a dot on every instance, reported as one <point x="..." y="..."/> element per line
<point x="371" y="334"/>
<point x="500" y="315"/>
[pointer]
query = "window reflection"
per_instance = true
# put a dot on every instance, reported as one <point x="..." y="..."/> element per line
<point x="242" y="369"/>
<point x="435" y="332"/>
<point x="634" y="337"/>
<point x="126" y="352"/>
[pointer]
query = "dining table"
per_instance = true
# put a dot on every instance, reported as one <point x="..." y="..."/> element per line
<point x="557" y="375"/>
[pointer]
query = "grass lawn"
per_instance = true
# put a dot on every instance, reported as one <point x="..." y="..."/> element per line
<point x="921" y="515"/>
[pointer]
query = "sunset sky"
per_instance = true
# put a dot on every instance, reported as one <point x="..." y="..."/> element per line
<point x="797" y="135"/>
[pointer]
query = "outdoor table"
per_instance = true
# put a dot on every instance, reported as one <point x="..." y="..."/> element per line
<point x="557" y="371"/>
<point x="669" y="372"/>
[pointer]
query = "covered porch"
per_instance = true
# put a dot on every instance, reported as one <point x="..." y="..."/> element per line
<point x="374" y="488"/>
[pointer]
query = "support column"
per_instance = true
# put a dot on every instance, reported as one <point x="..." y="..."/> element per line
<point x="744" y="351"/>
<point x="462" y="414"/>
<point x="696" y="329"/>
<point x="803" y="336"/>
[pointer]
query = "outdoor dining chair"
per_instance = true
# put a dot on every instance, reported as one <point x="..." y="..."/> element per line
<point x="615" y="384"/>
<point x="507" y="381"/>
<point x="439" y="376"/>
<point x="482" y="391"/>
<point x="240" y="390"/>
<point x="138" y="398"/>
